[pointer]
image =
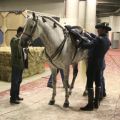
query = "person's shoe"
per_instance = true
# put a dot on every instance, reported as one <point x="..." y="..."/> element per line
<point x="85" y="93"/>
<point x="100" y="99"/>
<point x="88" y="107"/>
<point x="96" y="104"/>
<point x="104" y="94"/>
<point x="19" y="98"/>
<point x="14" y="102"/>
<point x="49" y="85"/>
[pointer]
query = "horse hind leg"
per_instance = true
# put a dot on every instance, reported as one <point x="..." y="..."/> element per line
<point x="75" y="72"/>
<point x="54" y="74"/>
<point x="66" y="75"/>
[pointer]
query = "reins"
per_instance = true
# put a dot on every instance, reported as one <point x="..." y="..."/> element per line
<point x="58" y="50"/>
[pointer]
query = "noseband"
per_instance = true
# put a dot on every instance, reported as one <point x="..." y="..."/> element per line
<point x="34" y="28"/>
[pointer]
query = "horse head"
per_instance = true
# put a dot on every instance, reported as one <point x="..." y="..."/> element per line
<point x="30" y="31"/>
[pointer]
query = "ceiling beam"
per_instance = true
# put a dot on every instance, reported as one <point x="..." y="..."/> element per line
<point x="108" y="1"/>
<point x="117" y="13"/>
<point x="109" y="5"/>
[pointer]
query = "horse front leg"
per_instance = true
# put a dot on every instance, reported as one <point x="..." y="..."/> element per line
<point x="66" y="77"/>
<point x="54" y="74"/>
<point x="75" y="72"/>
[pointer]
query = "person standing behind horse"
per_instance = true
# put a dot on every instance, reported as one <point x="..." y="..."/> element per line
<point x="98" y="48"/>
<point x="19" y="60"/>
<point x="103" y="90"/>
<point x="50" y="82"/>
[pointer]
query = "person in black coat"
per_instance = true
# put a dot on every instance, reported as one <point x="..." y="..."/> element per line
<point x="97" y="50"/>
<point x="19" y="61"/>
<point x="103" y="89"/>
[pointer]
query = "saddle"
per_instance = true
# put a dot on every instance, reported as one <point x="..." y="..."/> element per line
<point x="77" y="35"/>
<point x="75" y="32"/>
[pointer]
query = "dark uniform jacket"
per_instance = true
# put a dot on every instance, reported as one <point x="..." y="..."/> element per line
<point x="17" y="58"/>
<point x="98" y="48"/>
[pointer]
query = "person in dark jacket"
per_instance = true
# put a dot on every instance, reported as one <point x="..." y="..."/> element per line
<point x="98" y="48"/>
<point x="19" y="61"/>
<point x="103" y="89"/>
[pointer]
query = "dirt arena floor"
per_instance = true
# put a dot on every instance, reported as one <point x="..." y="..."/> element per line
<point x="37" y="95"/>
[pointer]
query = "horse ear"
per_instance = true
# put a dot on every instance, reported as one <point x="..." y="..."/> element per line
<point x="33" y="14"/>
<point x="37" y="17"/>
<point x="43" y="19"/>
<point x="54" y="25"/>
<point x="28" y="16"/>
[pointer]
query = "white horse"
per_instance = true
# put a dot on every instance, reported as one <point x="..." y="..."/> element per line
<point x="59" y="48"/>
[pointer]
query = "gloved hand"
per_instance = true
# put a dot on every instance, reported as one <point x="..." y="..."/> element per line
<point x="88" y="36"/>
<point x="68" y="27"/>
<point x="93" y="35"/>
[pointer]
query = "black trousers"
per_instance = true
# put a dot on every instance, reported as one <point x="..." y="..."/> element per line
<point x="93" y="75"/>
<point x="16" y="79"/>
<point x="62" y="76"/>
<point x="103" y="90"/>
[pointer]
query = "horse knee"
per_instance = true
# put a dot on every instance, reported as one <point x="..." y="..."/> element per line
<point x="75" y="72"/>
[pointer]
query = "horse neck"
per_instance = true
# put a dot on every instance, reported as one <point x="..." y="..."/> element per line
<point x="52" y="37"/>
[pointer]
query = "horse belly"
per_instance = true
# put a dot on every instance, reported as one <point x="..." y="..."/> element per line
<point x="80" y="55"/>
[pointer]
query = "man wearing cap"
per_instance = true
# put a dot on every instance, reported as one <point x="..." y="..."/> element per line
<point x="97" y="50"/>
<point x="19" y="62"/>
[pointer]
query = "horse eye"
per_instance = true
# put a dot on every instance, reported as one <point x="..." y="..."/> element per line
<point x="31" y="26"/>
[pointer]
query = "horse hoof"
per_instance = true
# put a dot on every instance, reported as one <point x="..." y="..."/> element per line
<point x="70" y="93"/>
<point x="66" y="105"/>
<point x="71" y="87"/>
<point x="68" y="86"/>
<point x="52" y="102"/>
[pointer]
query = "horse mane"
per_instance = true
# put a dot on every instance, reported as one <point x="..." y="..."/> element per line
<point x="55" y="22"/>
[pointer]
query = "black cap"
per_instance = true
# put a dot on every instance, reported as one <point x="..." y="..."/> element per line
<point x="20" y="29"/>
<point x="103" y="25"/>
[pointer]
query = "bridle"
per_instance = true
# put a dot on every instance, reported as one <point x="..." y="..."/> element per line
<point x="33" y="30"/>
<point x="29" y="39"/>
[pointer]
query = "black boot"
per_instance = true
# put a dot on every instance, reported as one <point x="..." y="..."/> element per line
<point x="97" y="97"/>
<point x="90" y="105"/>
